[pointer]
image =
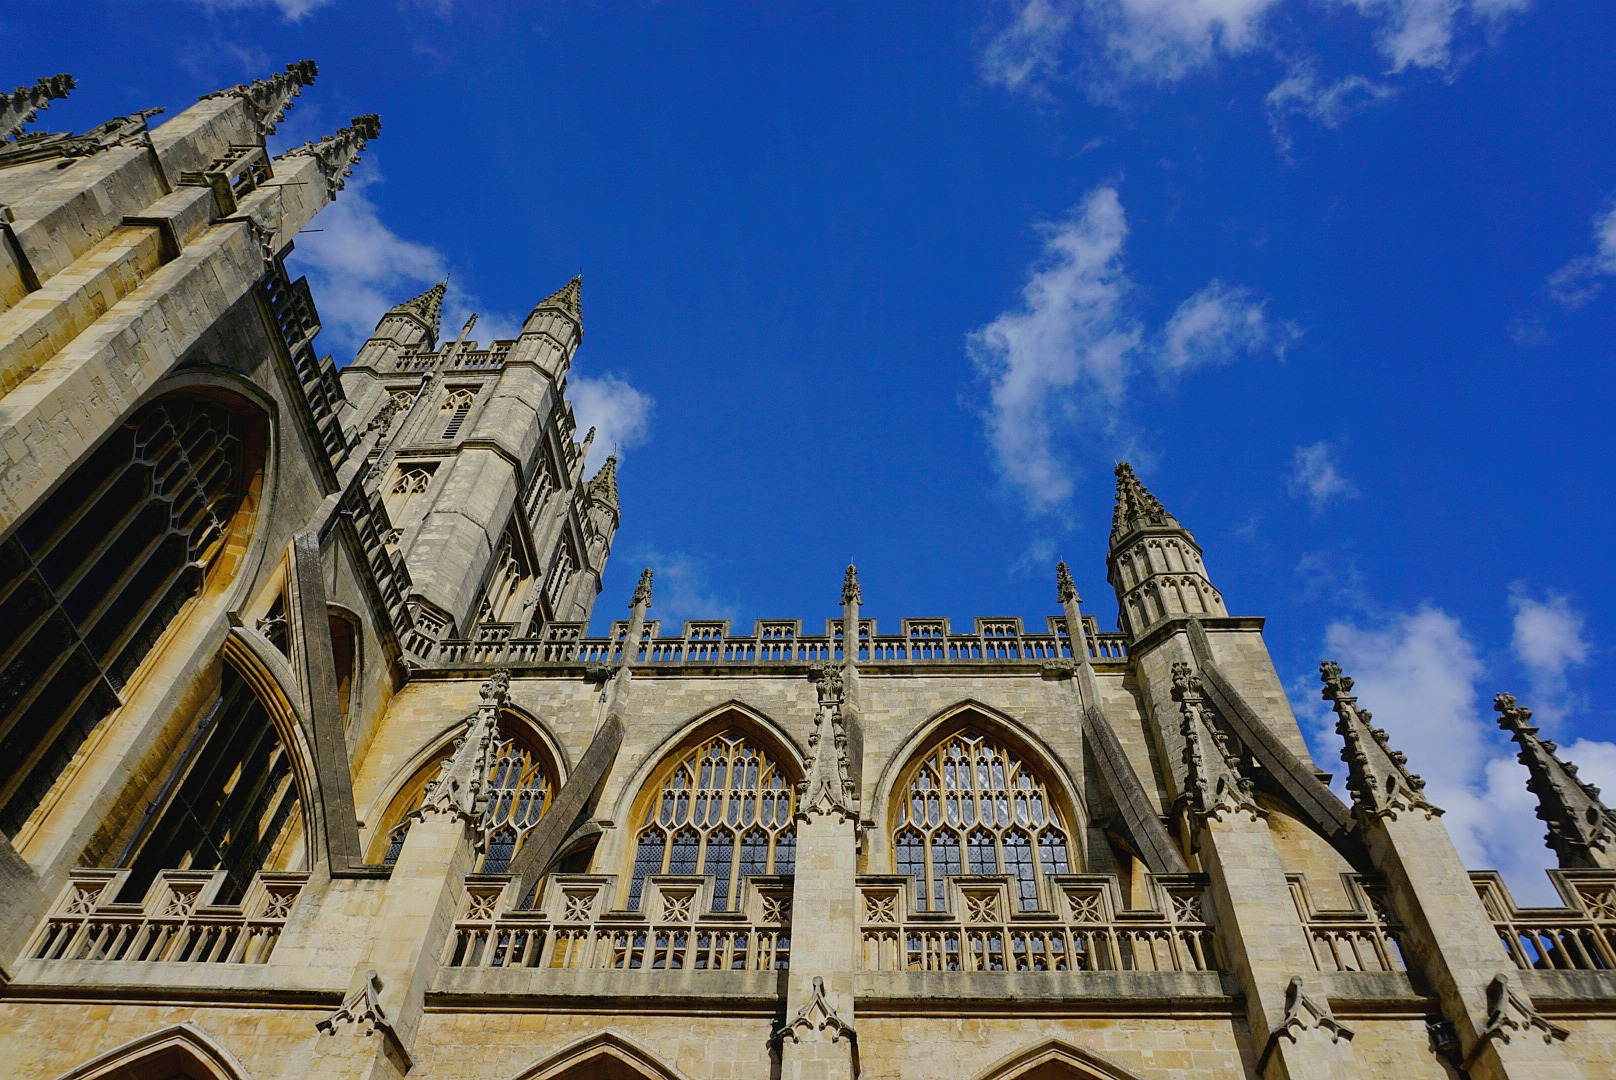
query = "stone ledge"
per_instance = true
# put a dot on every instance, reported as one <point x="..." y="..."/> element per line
<point x="961" y="991"/>
<point x="458" y="987"/>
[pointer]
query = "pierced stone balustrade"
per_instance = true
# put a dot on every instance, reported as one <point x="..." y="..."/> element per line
<point x="1362" y="937"/>
<point x="1581" y="936"/>
<point x="177" y="920"/>
<point x="674" y="931"/>
<point x="1086" y="930"/>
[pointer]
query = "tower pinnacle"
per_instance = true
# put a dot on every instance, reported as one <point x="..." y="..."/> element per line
<point x="569" y="298"/>
<point x="426" y="308"/>
<point x="603" y="488"/>
<point x="1136" y="507"/>
<point x="1581" y="829"/>
<point x="17" y="108"/>
<point x="268" y="99"/>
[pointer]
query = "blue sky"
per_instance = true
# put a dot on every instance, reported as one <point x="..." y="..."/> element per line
<point x="862" y="284"/>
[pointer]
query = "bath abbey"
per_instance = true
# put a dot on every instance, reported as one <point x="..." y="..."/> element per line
<point x="313" y="767"/>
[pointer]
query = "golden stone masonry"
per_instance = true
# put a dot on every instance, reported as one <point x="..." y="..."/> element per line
<point x="312" y="769"/>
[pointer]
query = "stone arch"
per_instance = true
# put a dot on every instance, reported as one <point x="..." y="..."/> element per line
<point x="939" y="726"/>
<point x="181" y="1050"/>
<point x="1056" y="1060"/>
<point x="605" y="1055"/>
<point x="402" y="790"/>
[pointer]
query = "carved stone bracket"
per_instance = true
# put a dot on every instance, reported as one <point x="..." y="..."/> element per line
<point x="817" y="1021"/>
<point x="1510" y="1013"/>
<point x="1303" y="1013"/>
<point x="361" y="1014"/>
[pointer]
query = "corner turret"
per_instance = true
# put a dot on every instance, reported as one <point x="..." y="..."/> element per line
<point x="552" y="333"/>
<point x="1154" y="564"/>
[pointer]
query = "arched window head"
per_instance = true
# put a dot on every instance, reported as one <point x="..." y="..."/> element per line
<point x="507" y="588"/>
<point x="96" y="572"/>
<point x="723" y="808"/>
<point x="521" y="787"/>
<point x="456" y="404"/>
<point x="407" y="488"/>
<point x="973" y="805"/>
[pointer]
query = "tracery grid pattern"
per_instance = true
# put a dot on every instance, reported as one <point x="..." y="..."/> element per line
<point x="519" y="792"/>
<point x="971" y="794"/>
<point x="92" y="578"/>
<point x="725" y="810"/>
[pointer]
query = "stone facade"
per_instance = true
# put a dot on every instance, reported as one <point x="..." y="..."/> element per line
<point x="314" y="769"/>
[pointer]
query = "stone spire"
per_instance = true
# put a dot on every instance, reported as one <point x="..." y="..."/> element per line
<point x="1377" y="775"/>
<point x="337" y="154"/>
<point x="1218" y="786"/>
<point x="642" y="592"/>
<point x="1136" y="507"/>
<point x="1582" y="830"/>
<point x="1065" y="587"/>
<point x="426" y="309"/>
<point x="459" y="787"/>
<point x="851" y="593"/>
<point x="568" y="298"/>
<point x="603" y="488"/>
<point x="268" y="99"/>
<point x="18" y="108"/>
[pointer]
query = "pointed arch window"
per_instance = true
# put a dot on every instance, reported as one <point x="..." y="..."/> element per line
<point x="456" y="405"/>
<point x="972" y="805"/>
<point x="505" y="593"/>
<point x="724" y="808"/>
<point x="94" y="575"/>
<point x="521" y="787"/>
<point x="408" y="487"/>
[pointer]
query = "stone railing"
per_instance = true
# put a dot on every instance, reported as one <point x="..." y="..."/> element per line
<point x="297" y="322"/>
<point x="1360" y="937"/>
<point x="673" y="931"/>
<point x="466" y="358"/>
<point x="1578" y="937"/>
<point x="177" y="920"/>
<point x="1087" y="930"/>
<point x="781" y="641"/>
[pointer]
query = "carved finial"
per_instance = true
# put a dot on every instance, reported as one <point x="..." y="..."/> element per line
<point x="268" y="99"/>
<point x="1136" y="507"/>
<point x="589" y="440"/>
<point x="569" y="298"/>
<point x="460" y="787"/>
<point x="1065" y="587"/>
<point x="18" y="108"/>
<point x="1218" y="785"/>
<point x="603" y="488"/>
<point x="851" y="593"/>
<point x="426" y="309"/>
<point x="337" y="154"/>
<point x="827" y="787"/>
<point x="497" y="690"/>
<point x="642" y="592"/>
<point x="1581" y="829"/>
<point x="1378" y="776"/>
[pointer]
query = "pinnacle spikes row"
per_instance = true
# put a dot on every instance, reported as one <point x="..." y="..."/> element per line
<point x="1378" y="776"/>
<point x="569" y="298"/>
<point x="18" y="108"/>
<point x="337" y="154"/>
<point x="1136" y="507"/>
<point x="268" y="99"/>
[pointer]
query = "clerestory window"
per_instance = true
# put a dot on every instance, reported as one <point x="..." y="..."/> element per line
<point x="972" y="806"/>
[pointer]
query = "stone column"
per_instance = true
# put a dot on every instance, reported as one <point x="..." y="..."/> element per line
<point x="817" y="1041"/>
<point x="1254" y="911"/>
<point x="1447" y="933"/>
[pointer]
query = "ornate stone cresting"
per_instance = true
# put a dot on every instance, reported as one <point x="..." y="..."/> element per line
<point x="817" y="1020"/>
<point x="1581" y="829"/>
<point x="119" y="131"/>
<point x="1510" y="1014"/>
<point x="1218" y="787"/>
<point x="1136" y="507"/>
<point x="1377" y="775"/>
<point x="337" y="154"/>
<point x="268" y="99"/>
<point x="851" y="594"/>
<point x="1065" y="587"/>
<point x="18" y="108"/>
<point x="828" y="785"/>
<point x="459" y="789"/>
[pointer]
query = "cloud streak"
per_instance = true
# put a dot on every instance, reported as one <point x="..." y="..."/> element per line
<point x="1065" y="357"/>
<point x="1317" y="476"/>
<point x="1583" y="278"/>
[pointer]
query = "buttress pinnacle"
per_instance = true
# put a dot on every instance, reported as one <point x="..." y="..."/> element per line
<point x="603" y="488"/>
<point x="1136" y="507"/>
<point x="569" y="298"/>
<point x="20" y="106"/>
<point x="428" y="307"/>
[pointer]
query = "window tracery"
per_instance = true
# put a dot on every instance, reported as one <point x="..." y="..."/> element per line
<point x="457" y="403"/>
<point x="93" y="577"/>
<point x="724" y="809"/>
<point x="972" y="806"/>
<point x="410" y="484"/>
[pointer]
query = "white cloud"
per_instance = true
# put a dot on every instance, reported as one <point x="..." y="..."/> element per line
<point x="1303" y="93"/>
<point x="682" y="589"/>
<point x="1027" y="51"/>
<point x="1547" y="640"/>
<point x="620" y="414"/>
<point x="1316" y="474"/>
<point x="1582" y="279"/>
<point x="291" y="10"/>
<point x="1067" y="354"/>
<point x="1419" y="675"/>
<point x="1219" y="324"/>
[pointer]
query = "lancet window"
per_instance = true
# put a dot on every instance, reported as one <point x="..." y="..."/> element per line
<point x="971" y="805"/>
<point x="503" y="597"/>
<point x="456" y="404"/>
<point x="407" y="487"/>
<point x="521" y="788"/>
<point x="230" y="804"/>
<point x="724" y="809"/>
<point x="91" y="579"/>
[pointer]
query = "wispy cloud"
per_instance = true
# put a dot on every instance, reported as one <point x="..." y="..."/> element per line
<point x="620" y="414"/>
<point x="1316" y="475"/>
<point x="1583" y="278"/>
<point x="683" y="589"/>
<point x="1328" y="103"/>
<point x="1420" y="673"/>
<point x="1548" y="639"/>
<point x="1067" y="354"/>
<point x="291" y="10"/>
